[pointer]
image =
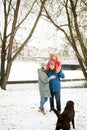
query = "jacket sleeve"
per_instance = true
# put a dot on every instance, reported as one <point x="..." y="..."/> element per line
<point x="58" y="64"/>
<point x="61" y="74"/>
<point x="43" y="77"/>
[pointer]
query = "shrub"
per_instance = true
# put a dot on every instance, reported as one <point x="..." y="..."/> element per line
<point x="85" y="85"/>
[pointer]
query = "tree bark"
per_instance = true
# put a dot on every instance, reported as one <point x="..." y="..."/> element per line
<point x="70" y="37"/>
<point x="5" y="70"/>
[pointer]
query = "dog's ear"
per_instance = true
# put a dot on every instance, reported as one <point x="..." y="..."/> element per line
<point x="56" y="112"/>
<point x="70" y="103"/>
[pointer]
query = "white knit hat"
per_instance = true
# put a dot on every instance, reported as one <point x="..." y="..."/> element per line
<point x="43" y="65"/>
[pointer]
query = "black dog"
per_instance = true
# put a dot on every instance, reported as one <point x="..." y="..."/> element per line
<point x="65" y="117"/>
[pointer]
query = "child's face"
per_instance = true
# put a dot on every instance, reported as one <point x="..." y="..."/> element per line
<point x="52" y="67"/>
<point x="54" y="57"/>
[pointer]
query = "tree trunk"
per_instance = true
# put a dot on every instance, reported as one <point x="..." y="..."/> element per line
<point x="3" y="52"/>
<point x="73" y="43"/>
<point x="83" y="48"/>
<point x="70" y="5"/>
<point x="82" y="68"/>
<point x="6" y="64"/>
<point x="5" y="70"/>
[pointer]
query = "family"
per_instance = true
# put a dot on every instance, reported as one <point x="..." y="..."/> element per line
<point x="49" y="83"/>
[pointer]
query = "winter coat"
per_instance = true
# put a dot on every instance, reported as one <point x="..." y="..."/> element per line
<point x="55" y="85"/>
<point x="57" y="64"/>
<point x="43" y="83"/>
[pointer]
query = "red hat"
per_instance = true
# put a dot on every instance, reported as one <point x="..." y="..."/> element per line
<point x="52" y="63"/>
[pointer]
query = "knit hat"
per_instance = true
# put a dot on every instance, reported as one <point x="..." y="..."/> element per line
<point x="52" y="63"/>
<point x="43" y="65"/>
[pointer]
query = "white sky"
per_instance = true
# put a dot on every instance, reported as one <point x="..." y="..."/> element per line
<point x="45" y="34"/>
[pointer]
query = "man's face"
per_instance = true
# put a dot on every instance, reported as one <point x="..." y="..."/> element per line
<point x="52" y="67"/>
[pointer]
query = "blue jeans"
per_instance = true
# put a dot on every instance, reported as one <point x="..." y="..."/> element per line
<point x="42" y="102"/>
<point x="57" y="98"/>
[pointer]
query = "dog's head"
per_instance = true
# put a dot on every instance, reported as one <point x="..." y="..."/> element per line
<point x="63" y="121"/>
<point x="69" y="105"/>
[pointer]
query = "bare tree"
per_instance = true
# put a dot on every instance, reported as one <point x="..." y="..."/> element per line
<point x="68" y="12"/>
<point x="11" y="17"/>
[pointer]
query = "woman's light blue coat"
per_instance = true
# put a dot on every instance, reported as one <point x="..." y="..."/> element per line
<point x="43" y="83"/>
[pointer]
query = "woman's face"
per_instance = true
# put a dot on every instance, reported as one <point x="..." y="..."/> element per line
<point x="45" y="67"/>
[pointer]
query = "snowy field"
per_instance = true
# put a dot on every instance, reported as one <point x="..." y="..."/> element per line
<point x="19" y="108"/>
<point x="19" y="104"/>
<point x="28" y="71"/>
<point x="23" y="71"/>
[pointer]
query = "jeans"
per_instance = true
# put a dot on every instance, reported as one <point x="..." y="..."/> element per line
<point x="42" y="102"/>
<point x="57" y="98"/>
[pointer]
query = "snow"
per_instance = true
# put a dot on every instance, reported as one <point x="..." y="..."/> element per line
<point x="19" y="104"/>
<point x="19" y="108"/>
<point x="24" y="70"/>
<point x="27" y="70"/>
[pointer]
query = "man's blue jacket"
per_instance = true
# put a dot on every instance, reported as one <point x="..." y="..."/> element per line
<point x="55" y="85"/>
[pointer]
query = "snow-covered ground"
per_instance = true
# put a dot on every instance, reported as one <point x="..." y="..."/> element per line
<point x="28" y="71"/>
<point x="19" y="108"/>
<point x="23" y="71"/>
<point x="19" y="104"/>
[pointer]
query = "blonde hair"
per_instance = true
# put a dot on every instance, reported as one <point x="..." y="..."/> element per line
<point x="53" y="55"/>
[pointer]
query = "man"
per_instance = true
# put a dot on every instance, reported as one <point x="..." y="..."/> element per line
<point x="55" y="86"/>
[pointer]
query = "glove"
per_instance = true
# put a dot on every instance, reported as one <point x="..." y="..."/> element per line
<point x="51" y="77"/>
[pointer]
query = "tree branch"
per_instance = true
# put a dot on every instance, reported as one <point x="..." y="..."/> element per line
<point x="32" y="30"/>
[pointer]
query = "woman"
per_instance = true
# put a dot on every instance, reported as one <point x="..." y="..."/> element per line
<point x="44" y="89"/>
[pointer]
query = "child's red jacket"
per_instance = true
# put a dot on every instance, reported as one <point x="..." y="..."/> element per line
<point x="57" y="64"/>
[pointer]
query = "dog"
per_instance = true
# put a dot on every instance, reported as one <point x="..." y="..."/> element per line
<point x="67" y="116"/>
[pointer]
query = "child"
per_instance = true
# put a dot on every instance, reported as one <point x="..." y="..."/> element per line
<point x="58" y="64"/>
